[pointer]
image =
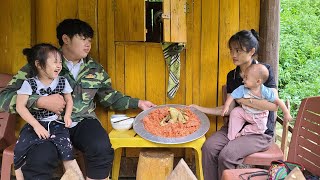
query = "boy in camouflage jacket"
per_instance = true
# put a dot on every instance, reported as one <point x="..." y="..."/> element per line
<point x="89" y="81"/>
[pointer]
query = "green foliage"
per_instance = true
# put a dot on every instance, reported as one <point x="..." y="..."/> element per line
<point x="299" y="63"/>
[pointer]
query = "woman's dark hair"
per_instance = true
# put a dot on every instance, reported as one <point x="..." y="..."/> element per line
<point x="72" y="27"/>
<point x="39" y="52"/>
<point x="246" y="40"/>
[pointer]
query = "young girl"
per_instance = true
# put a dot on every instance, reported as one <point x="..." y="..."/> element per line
<point x="254" y="77"/>
<point x="42" y="125"/>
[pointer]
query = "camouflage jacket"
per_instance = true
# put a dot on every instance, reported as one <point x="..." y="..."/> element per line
<point x="92" y="82"/>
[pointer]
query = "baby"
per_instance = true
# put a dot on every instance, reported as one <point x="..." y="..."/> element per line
<point x="253" y="88"/>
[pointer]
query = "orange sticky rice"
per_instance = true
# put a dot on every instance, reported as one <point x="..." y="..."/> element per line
<point x="152" y="123"/>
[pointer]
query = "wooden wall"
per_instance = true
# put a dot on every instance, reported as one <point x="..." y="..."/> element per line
<point x="137" y="69"/>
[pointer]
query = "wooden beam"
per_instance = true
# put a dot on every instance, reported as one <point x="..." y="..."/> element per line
<point x="270" y="34"/>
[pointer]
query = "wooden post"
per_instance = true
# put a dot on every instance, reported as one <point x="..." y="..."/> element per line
<point x="270" y="33"/>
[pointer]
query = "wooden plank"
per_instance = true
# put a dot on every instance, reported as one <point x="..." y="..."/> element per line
<point x="178" y="21"/>
<point x="46" y="21"/>
<point x="209" y="56"/>
<point x="313" y="106"/>
<point x="306" y="123"/>
<point x="189" y="66"/>
<point x="130" y="20"/>
<point x="118" y="83"/>
<point x="33" y="22"/>
<point x="196" y="50"/>
<point x="10" y="37"/>
<point x="229" y="25"/>
<point x="110" y="47"/>
<point x="6" y="37"/>
<point x="121" y="24"/>
<point x="21" y="33"/>
<point x="119" y="76"/>
<point x="88" y="12"/>
<point x="311" y="146"/>
<point x="67" y="9"/>
<point x="189" y="47"/>
<point x="249" y="14"/>
<point x="102" y="46"/>
<point x="110" y="38"/>
<point x="182" y="89"/>
<point x="309" y="135"/>
<point x="155" y="75"/>
<point x="312" y="116"/>
<point x="310" y="155"/>
<point x="137" y="20"/>
<point x="166" y="21"/>
<point x="101" y="34"/>
<point x="135" y="73"/>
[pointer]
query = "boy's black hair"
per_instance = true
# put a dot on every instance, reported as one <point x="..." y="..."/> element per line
<point x="39" y="52"/>
<point x="72" y="27"/>
<point x="246" y="39"/>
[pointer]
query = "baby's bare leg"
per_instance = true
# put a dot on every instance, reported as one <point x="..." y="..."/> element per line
<point x="72" y="164"/>
<point x="19" y="174"/>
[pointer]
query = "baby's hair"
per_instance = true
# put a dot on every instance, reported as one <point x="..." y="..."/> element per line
<point x="261" y="71"/>
<point x="39" y="52"/>
<point x="246" y="39"/>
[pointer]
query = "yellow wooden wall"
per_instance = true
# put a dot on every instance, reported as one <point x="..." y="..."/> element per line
<point x="136" y="68"/>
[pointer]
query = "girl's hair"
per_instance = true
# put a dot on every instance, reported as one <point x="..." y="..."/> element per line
<point x="246" y="40"/>
<point x="39" y="52"/>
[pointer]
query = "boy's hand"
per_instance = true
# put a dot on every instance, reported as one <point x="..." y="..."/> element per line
<point x="224" y="110"/>
<point x="287" y="117"/>
<point x="144" y="105"/>
<point x="41" y="131"/>
<point x="54" y="103"/>
<point x="67" y="121"/>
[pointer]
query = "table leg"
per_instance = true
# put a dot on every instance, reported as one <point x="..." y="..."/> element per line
<point x="116" y="163"/>
<point x="198" y="154"/>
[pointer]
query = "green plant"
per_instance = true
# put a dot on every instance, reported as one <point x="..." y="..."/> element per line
<point x="299" y="63"/>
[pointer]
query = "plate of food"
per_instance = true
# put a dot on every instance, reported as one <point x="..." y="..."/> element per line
<point x="171" y="124"/>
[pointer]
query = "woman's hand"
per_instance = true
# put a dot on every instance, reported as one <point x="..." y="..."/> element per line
<point x="261" y="104"/>
<point x="195" y="106"/>
<point x="225" y="110"/>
